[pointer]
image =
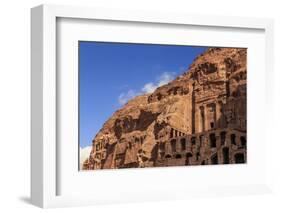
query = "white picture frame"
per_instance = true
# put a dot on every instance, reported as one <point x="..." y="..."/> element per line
<point x="45" y="172"/>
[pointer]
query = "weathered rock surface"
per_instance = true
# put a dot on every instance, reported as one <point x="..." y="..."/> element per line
<point x="198" y="118"/>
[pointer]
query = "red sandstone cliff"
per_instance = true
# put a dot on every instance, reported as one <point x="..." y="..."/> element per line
<point x="211" y="94"/>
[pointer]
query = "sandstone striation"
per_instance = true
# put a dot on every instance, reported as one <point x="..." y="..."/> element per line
<point x="198" y="118"/>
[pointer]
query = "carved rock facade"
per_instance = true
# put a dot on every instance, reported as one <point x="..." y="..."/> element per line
<point x="197" y="119"/>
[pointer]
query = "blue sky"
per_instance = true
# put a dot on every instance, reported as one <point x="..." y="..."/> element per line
<point x="112" y="73"/>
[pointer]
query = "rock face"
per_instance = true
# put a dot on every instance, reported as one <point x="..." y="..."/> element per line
<point x="198" y="118"/>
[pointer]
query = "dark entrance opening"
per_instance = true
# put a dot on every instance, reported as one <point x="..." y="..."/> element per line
<point x="223" y="134"/>
<point x="178" y="156"/>
<point x="243" y="141"/>
<point x="193" y="140"/>
<point x="212" y="125"/>
<point x="213" y="140"/>
<point x="183" y="144"/>
<point x="201" y="138"/>
<point x="188" y="158"/>
<point x="197" y="156"/>
<point x="168" y="156"/>
<point x="239" y="158"/>
<point x="214" y="159"/>
<point x="233" y="139"/>
<point x="173" y="145"/>
<point x="225" y="152"/>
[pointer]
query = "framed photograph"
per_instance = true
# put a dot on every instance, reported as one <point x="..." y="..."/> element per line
<point x="129" y="106"/>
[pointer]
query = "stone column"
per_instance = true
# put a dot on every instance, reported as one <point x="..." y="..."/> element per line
<point x="218" y="115"/>
<point x="206" y="117"/>
<point x="215" y="115"/>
